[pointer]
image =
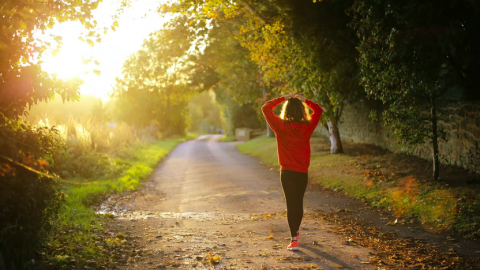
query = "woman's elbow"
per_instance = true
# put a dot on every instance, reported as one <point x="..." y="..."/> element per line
<point x="264" y="108"/>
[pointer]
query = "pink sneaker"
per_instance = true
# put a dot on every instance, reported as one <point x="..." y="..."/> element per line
<point x="293" y="245"/>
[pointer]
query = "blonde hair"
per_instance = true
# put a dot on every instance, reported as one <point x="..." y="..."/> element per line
<point x="295" y="111"/>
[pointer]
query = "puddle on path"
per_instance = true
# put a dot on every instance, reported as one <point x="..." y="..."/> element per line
<point x="117" y="207"/>
<point x="174" y="215"/>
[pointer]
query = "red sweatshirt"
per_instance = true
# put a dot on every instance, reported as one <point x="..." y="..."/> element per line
<point x="293" y="140"/>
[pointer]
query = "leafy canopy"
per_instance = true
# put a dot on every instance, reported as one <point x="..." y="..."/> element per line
<point x="154" y="83"/>
<point x="410" y="55"/>
<point x="298" y="46"/>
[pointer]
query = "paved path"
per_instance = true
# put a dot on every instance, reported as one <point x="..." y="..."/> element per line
<point x="206" y="197"/>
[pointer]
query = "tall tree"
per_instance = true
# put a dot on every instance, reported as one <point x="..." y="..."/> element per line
<point x="298" y="46"/>
<point x="28" y="200"/>
<point x="411" y="53"/>
<point x="154" y="88"/>
<point x="237" y="81"/>
<point x="22" y="81"/>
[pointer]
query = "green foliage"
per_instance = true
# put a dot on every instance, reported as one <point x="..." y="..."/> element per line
<point x="100" y="113"/>
<point x="28" y="204"/>
<point x="307" y="47"/>
<point x="88" y="146"/>
<point x="153" y="88"/>
<point x="19" y="139"/>
<point x="235" y="79"/>
<point x="410" y="55"/>
<point x="436" y="205"/>
<point x="296" y="46"/>
<point x="262" y="147"/>
<point x="27" y="200"/>
<point x="237" y="76"/>
<point x="85" y="164"/>
<point x="226" y="138"/>
<point x="468" y="220"/>
<point x="60" y="112"/>
<point x="234" y="115"/>
<point x="399" y="67"/>
<point x="75" y="238"/>
<point x="204" y="112"/>
<point x="22" y="82"/>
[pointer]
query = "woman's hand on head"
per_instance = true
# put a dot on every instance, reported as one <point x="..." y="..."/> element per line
<point x="302" y="98"/>
<point x="288" y="96"/>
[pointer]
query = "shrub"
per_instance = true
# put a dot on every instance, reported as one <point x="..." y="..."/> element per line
<point x="27" y="203"/>
<point x="28" y="199"/>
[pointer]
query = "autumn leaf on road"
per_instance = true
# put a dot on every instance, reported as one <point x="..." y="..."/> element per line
<point x="212" y="259"/>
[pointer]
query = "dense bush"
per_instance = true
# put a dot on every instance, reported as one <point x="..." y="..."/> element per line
<point x="27" y="200"/>
<point x="91" y="148"/>
<point x="27" y="203"/>
<point x="29" y="197"/>
<point x="84" y="164"/>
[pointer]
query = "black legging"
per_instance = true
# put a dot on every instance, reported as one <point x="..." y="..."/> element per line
<point x="294" y="185"/>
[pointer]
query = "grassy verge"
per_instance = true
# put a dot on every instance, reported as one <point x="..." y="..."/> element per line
<point x="397" y="183"/>
<point x="226" y="138"/>
<point x="76" y="238"/>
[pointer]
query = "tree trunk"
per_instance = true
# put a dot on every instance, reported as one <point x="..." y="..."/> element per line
<point x="270" y="132"/>
<point x="335" y="141"/>
<point x="436" y="161"/>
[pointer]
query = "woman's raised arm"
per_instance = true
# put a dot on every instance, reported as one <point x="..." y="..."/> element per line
<point x="317" y="112"/>
<point x="267" y="109"/>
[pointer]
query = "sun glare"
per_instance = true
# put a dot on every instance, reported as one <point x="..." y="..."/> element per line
<point x="68" y="62"/>
<point x="98" y="65"/>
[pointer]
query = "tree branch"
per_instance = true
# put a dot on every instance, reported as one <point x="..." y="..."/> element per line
<point x="30" y="169"/>
<point x="253" y="11"/>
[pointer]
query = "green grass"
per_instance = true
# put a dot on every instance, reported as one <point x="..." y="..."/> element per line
<point x="75" y="238"/>
<point x="226" y="138"/>
<point x="262" y="147"/>
<point x="265" y="149"/>
<point x="371" y="178"/>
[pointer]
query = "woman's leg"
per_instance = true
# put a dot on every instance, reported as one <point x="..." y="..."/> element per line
<point x="294" y="185"/>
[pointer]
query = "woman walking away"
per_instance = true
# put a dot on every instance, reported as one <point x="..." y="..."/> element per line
<point x="293" y="128"/>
